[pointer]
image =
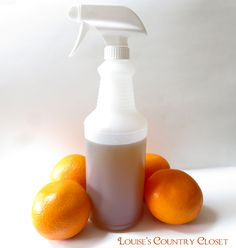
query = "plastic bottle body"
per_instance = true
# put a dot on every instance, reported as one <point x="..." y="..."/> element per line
<point x="115" y="135"/>
<point x="115" y="176"/>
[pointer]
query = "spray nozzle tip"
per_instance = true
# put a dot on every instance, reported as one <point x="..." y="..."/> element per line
<point x="74" y="13"/>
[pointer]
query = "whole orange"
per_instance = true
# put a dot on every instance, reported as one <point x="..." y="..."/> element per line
<point x="70" y="167"/>
<point x="173" y="196"/>
<point x="154" y="162"/>
<point x="61" y="210"/>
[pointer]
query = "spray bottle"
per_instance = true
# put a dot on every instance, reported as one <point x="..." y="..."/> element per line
<point x="115" y="131"/>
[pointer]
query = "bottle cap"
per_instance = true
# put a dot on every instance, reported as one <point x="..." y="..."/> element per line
<point x="116" y="52"/>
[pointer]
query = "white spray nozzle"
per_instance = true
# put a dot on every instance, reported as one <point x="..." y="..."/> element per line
<point x="115" y="23"/>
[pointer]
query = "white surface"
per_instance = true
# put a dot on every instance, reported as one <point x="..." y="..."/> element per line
<point x="185" y="86"/>
<point x="25" y="172"/>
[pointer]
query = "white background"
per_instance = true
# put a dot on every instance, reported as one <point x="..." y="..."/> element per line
<point x="184" y="85"/>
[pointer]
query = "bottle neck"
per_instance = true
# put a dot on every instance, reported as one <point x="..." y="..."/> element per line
<point x="116" y="52"/>
<point x="116" y="86"/>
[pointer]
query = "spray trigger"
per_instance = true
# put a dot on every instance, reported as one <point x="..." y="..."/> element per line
<point x="84" y="27"/>
<point x="115" y="23"/>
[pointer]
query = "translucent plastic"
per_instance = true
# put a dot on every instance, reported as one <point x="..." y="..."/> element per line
<point x="115" y="120"/>
<point x="116" y="141"/>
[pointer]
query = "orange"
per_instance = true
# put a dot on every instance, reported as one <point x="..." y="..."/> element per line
<point x="173" y="196"/>
<point x="61" y="210"/>
<point x="154" y="162"/>
<point x="70" y="167"/>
